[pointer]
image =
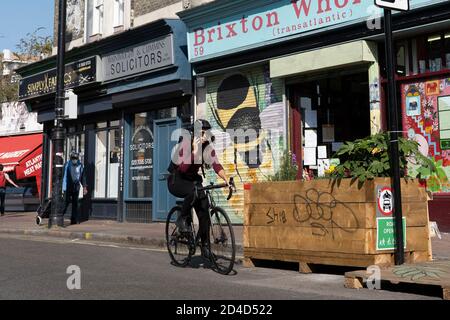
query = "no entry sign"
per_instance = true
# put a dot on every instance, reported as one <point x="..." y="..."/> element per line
<point x="385" y="202"/>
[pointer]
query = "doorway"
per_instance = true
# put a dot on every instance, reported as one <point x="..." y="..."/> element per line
<point x="163" y="201"/>
<point x="326" y="111"/>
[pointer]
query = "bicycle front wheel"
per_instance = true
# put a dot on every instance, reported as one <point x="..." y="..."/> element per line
<point x="179" y="245"/>
<point x="222" y="242"/>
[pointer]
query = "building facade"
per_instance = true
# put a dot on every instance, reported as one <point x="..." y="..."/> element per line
<point x="127" y="64"/>
<point x="20" y="138"/>
<point x="315" y="71"/>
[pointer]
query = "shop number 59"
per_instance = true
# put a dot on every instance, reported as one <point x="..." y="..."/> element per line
<point x="199" y="51"/>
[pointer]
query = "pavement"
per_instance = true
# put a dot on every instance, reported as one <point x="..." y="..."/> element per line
<point x="150" y="235"/>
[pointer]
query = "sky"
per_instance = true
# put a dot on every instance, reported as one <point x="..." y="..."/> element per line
<point x="19" y="17"/>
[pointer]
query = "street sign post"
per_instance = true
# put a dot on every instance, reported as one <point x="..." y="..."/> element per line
<point x="393" y="111"/>
<point x="400" y="5"/>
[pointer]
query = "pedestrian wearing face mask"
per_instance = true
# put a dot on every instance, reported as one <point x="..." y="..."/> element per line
<point x="73" y="180"/>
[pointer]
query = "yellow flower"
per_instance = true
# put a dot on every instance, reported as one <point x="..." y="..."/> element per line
<point x="330" y="170"/>
<point x="376" y="150"/>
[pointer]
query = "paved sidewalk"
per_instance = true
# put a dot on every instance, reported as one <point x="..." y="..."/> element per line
<point x="151" y="235"/>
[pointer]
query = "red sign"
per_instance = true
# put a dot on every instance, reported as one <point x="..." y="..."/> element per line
<point x="31" y="165"/>
<point x="385" y="202"/>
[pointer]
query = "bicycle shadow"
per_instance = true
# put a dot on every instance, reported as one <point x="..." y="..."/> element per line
<point x="198" y="262"/>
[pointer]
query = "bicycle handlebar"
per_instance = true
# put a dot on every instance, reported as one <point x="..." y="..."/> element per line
<point x="230" y="185"/>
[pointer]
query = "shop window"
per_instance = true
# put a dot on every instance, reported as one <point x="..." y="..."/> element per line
<point x="434" y="43"/>
<point x="107" y="161"/>
<point x="75" y="143"/>
<point x="447" y="49"/>
<point x="113" y="164"/>
<point x="401" y="59"/>
<point x="431" y="53"/>
<point x="141" y="157"/>
<point x="334" y="109"/>
<point x="100" y="164"/>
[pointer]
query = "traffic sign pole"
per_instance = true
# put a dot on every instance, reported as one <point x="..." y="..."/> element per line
<point x="393" y="146"/>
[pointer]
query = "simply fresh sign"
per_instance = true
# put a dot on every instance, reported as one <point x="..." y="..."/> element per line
<point x="276" y="21"/>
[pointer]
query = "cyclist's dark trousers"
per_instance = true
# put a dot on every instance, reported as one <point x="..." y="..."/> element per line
<point x="181" y="187"/>
<point x="2" y="200"/>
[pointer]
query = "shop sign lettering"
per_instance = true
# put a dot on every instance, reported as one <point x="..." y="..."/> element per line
<point x="14" y="154"/>
<point x="76" y="74"/>
<point x="146" y="57"/>
<point x="275" y="21"/>
<point x="33" y="165"/>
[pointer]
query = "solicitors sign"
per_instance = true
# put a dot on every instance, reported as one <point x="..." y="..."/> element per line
<point x="76" y="74"/>
<point x="147" y="57"/>
<point x="277" y="21"/>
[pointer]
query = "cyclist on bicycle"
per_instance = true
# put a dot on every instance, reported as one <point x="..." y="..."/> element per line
<point x="185" y="176"/>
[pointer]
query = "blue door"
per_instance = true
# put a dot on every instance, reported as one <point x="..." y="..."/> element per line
<point x="163" y="201"/>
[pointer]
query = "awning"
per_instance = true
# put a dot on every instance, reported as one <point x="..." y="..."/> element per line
<point x="324" y="59"/>
<point x="14" y="149"/>
<point x="31" y="165"/>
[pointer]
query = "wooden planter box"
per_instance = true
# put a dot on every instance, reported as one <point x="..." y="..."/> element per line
<point x="321" y="222"/>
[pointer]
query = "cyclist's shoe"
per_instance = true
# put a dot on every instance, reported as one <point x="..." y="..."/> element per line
<point x="206" y="253"/>
<point x="182" y="225"/>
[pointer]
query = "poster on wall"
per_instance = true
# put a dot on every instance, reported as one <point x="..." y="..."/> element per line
<point x="413" y="106"/>
<point x="426" y="120"/>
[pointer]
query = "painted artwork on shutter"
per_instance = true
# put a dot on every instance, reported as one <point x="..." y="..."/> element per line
<point x="426" y="119"/>
<point x="248" y="116"/>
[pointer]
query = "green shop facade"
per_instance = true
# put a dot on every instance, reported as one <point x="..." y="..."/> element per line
<point x="308" y="75"/>
<point x="134" y="89"/>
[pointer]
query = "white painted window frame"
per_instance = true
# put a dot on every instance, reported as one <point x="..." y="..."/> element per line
<point x="119" y="13"/>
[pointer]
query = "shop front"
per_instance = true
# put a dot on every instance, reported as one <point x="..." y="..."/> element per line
<point x="133" y="89"/>
<point x="305" y="75"/>
<point x="21" y="157"/>
<point x="424" y="82"/>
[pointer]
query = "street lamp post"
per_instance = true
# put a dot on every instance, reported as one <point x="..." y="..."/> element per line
<point x="59" y="131"/>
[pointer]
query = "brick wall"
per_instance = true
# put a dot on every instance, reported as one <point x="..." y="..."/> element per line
<point x="75" y="20"/>
<point x="142" y="7"/>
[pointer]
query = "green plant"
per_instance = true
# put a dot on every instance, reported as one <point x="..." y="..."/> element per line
<point x="367" y="158"/>
<point x="434" y="175"/>
<point x="288" y="168"/>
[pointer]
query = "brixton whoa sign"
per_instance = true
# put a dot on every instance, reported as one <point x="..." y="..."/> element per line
<point x="146" y="57"/>
<point x="277" y="21"/>
<point x="76" y="74"/>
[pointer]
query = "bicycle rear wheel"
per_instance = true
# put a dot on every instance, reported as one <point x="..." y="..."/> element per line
<point x="179" y="244"/>
<point x="222" y="242"/>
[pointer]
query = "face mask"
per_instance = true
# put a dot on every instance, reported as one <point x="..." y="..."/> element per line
<point x="74" y="162"/>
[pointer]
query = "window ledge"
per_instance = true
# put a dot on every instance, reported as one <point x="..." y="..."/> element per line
<point x="95" y="37"/>
<point x="119" y="28"/>
<point x="443" y="72"/>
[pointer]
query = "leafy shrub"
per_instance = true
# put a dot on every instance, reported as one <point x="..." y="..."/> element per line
<point x="367" y="158"/>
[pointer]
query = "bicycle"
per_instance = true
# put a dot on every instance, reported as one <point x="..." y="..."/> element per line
<point x="221" y="242"/>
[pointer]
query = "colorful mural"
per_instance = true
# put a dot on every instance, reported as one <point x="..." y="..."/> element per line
<point x="248" y="115"/>
<point x="426" y="108"/>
